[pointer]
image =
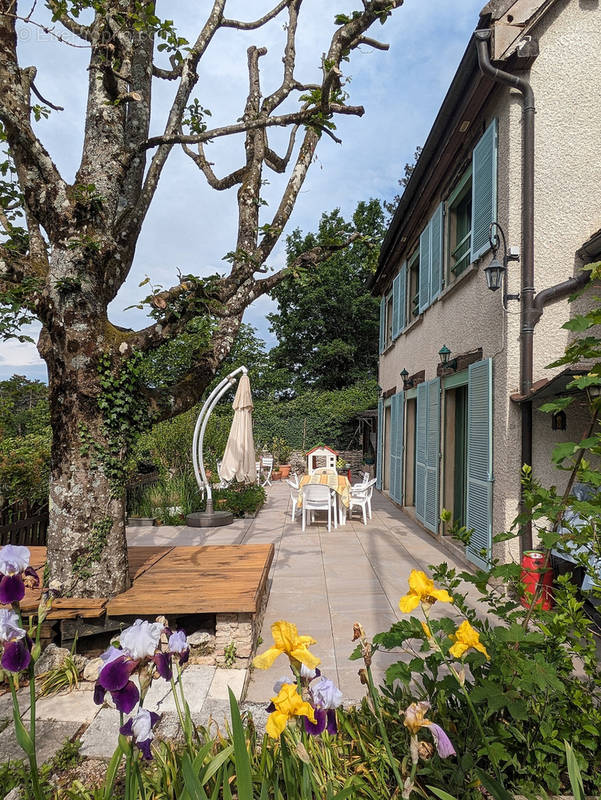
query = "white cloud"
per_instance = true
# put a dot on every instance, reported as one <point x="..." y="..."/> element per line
<point x="190" y="226"/>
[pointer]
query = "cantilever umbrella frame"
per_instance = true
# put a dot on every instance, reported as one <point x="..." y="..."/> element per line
<point x="209" y="518"/>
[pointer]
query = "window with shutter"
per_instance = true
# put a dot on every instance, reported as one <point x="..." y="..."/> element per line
<point x="436" y="253"/>
<point x="382" y="324"/>
<point x="403" y="298"/>
<point x="479" y="462"/>
<point x="396" y="307"/>
<point x="397" y="423"/>
<point x="484" y="190"/>
<point x="380" y="444"/>
<point x="424" y="269"/>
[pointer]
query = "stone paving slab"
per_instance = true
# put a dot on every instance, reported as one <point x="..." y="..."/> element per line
<point x="50" y="737"/>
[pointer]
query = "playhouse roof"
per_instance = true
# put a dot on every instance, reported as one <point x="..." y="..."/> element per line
<point x="320" y="447"/>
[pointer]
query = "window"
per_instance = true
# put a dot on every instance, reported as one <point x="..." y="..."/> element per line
<point x="413" y="291"/>
<point x="459" y="213"/>
<point x="389" y="307"/>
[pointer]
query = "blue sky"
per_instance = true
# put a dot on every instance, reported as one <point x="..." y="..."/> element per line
<point x="190" y="226"/>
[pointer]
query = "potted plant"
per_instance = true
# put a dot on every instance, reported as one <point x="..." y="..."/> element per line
<point x="284" y="458"/>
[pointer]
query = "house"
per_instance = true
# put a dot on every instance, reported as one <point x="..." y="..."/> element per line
<point x="509" y="177"/>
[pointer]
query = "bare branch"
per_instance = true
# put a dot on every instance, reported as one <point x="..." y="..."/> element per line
<point x="43" y="99"/>
<point x="331" y="80"/>
<point x="251" y="26"/>
<point x="216" y="183"/>
<point x="188" y="80"/>
<point x="306" y="117"/>
<point x="278" y="163"/>
<point x="371" y="43"/>
<point x="276" y="98"/>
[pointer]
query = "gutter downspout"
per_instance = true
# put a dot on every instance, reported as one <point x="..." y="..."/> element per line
<point x="528" y="312"/>
<point x="557" y="292"/>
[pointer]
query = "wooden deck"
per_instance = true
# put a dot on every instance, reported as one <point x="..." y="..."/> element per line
<point x="172" y="580"/>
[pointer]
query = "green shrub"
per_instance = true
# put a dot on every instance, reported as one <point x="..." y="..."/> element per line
<point x="25" y="467"/>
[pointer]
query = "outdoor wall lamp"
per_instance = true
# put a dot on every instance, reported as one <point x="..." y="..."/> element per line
<point x="407" y="384"/>
<point x="496" y="272"/>
<point x="445" y="358"/>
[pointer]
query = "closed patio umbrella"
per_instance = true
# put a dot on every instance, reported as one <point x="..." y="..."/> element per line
<point x="239" y="456"/>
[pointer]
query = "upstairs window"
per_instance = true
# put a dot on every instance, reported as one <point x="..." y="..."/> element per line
<point x="389" y="308"/>
<point x="413" y="285"/>
<point x="459" y="215"/>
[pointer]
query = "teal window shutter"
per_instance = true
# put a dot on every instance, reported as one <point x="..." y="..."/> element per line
<point x="479" y="462"/>
<point x="396" y="306"/>
<point x="397" y="424"/>
<point x="436" y="253"/>
<point x="424" y="268"/>
<point x="421" y="450"/>
<point x="382" y="324"/>
<point x="380" y="448"/>
<point x="403" y="298"/>
<point x="431" y="510"/>
<point x="484" y="190"/>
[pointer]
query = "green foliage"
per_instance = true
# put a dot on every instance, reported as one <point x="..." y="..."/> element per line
<point x="125" y="416"/>
<point x="327" y="321"/>
<point x="16" y="773"/>
<point x="315" y="416"/>
<point x="25" y="467"/>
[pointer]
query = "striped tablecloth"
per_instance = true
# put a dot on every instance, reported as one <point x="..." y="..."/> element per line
<point x="340" y="484"/>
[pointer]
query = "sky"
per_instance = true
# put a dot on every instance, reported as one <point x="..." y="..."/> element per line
<point x="190" y="227"/>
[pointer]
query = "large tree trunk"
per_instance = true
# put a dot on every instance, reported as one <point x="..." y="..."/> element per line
<point x="87" y="550"/>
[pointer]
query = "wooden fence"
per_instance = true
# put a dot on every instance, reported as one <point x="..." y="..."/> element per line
<point x="22" y="523"/>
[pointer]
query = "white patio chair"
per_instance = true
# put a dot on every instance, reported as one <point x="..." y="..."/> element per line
<point x="294" y="479"/>
<point x="258" y="468"/>
<point x="361" y="498"/>
<point x="318" y="498"/>
<point x="362" y="482"/>
<point x="294" y="489"/>
<point x="266" y="470"/>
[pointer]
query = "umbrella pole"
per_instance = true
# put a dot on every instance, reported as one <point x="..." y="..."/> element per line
<point x="209" y="518"/>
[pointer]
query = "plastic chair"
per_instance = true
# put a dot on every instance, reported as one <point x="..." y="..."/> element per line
<point x="266" y="464"/>
<point x="318" y="498"/>
<point x="361" y="498"/>
<point x="294" y="489"/>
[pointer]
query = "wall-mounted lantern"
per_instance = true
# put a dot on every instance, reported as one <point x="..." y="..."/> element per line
<point x="407" y="384"/>
<point x="496" y="271"/>
<point x="445" y="358"/>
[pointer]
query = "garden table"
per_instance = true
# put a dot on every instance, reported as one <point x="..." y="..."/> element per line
<point x="338" y="483"/>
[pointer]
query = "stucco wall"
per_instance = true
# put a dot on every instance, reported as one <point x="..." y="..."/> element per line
<point x="566" y="78"/>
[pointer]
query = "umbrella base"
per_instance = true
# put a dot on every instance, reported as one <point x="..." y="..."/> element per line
<point x="204" y="519"/>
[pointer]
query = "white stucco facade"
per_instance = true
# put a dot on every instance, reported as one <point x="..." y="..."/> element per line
<point x="566" y="79"/>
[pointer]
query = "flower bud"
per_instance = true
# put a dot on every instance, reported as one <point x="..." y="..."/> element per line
<point x="425" y="750"/>
<point x="363" y="676"/>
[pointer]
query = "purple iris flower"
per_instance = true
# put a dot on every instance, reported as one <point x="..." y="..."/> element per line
<point x="325" y="699"/>
<point x="138" y="643"/>
<point x="14" y="565"/>
<point x="441" y="740"/>
<point x="140" y="729"/>
<point x="15" y="651"/>
<point x="178" y="646"/>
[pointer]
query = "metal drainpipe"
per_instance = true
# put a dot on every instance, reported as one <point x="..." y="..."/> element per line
<point x="527" y="313"/>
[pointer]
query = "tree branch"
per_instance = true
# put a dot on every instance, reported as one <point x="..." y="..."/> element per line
<point x="199" y="158"/>
<point x="371" y="43"/>
<point x="276" y="98"/>
<point x="251" y="26"/>
<point x="279" y="163"/>
<point x="76" y="28"/>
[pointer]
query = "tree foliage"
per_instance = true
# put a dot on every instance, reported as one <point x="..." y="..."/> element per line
<point x="327" y="320"/>
<point x="23" y="407"/>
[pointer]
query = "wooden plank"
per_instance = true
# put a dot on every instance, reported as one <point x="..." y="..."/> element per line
<point x="142" y="558"/>
<point x="72" y="607"/>
<point x="199" y="580"/>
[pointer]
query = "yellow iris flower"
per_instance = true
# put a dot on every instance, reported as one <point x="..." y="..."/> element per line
<point x="286" y="640"/>
<point x="287" y="704"/>
<point x="465" y="637"/>
<point x="421" y="590"/>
